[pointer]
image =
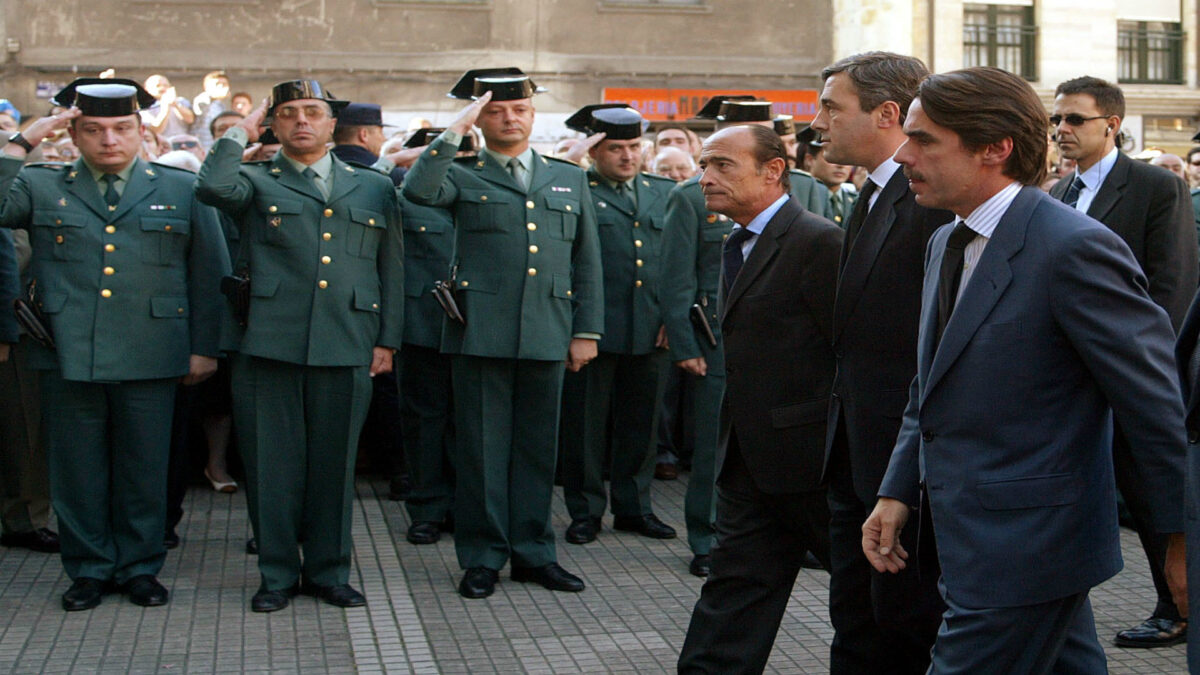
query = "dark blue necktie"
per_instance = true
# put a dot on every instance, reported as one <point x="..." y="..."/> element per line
<point x="732" y="258"/>
<point x="1072" y="196"/>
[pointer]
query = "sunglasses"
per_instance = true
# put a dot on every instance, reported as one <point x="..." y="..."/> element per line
<point x="1074" y="119"/>
<point x="184" y="145"/>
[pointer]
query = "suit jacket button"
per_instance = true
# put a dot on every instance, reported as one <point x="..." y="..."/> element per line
<point x="328" y="213"/>
<point x="1193" y="436"/>
<point x="323" y="284"/>
<point x="927" y="436"/>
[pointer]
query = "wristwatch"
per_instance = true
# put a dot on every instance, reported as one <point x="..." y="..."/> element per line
<point x="18" y="139"/>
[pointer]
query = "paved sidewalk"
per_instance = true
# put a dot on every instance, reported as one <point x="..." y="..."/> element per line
<point x="631" y="618"/>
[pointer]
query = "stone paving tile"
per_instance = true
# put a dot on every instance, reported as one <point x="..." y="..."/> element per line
<point x="631" y="618"/>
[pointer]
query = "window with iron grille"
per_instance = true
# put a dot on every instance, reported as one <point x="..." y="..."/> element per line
<point x="1150" y="51"/>
<point x="1001" y="36"/>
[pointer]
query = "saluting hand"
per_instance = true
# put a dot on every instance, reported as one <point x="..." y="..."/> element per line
<point x="466" y="118"/>
<point x="44" y="128"/>
<point x="580" y="149"/>
<point x="253" y="121"/>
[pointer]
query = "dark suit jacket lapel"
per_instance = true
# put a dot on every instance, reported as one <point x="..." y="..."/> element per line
<point x="345" y="180"/>
<point x="765" y="248"/>
<point x="864" y="250"/>
<point x="141" y="185"/>
<point x="1111" y="189"/>
<point x="292" y="179"/>
<point x="83" y="187"/>
<point x="988" y="282"/>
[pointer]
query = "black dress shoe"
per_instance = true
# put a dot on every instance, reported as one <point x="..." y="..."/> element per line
<point x="582" y="530"/>
<point x="145" y="590"/>
<point x="1153" y="632"/>
<point x="171" y="540"/>
<point x="252" y="546"/>
<point x="271" y="601"/>
<point x="340" y="595"/>
<point x="647" y="525"/>
<point x="84" y="593"/>
<point x="701" y="565"/>
<point x="551" y="577"/>
<point x="423" y="532"/>
<point x="478" y="582"/>
<point x="41" y="540"/>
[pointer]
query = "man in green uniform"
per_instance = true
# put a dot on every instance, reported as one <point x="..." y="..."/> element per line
<point x="126" y="265"/>
<point x="692" y="243"/>
<point x="321" y="244"/>
<point x="426" y="398"/>
<point x="528" y="280"/>
<point x="626" y="379"/>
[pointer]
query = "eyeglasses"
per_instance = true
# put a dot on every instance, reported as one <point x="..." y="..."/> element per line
<point x="184" y="145"/>
<point x="311" y="112"/>
<point x="1074" y="119"/>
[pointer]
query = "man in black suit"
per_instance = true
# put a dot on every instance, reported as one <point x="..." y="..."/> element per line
<point x="776" y="303"/>
<point x="1187" y="356"/>
<point x="1151" y="211"/>
<point x="882" y="623"/>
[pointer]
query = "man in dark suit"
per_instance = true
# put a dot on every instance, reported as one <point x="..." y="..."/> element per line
<point x="882" y="623"/>
<point x="321" y="244"/>
<point x="1036" y="331"/>
<point x="1151" y="211"/>
<point x="776" y="305"/>
<point x="1187" y="356"/>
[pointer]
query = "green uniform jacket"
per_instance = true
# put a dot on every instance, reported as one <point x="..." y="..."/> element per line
<point x="428" y="249"/>
<point x="631" y="248"/>
<point x="847" y="199"/>
<point x="10" y="288"/>
<point x="1196" y="210"/>
<point x="527" y="262"/>
<point x="130" y="294"/>
<point x="326" y="276"/>
<point x="809" y="193"/>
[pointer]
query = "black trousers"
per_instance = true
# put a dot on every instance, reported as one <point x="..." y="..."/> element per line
<point x="883" y="623"/>
<point x="761" y="541"/>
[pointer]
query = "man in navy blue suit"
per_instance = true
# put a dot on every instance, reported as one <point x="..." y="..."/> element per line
<point x="1036" y="331"/>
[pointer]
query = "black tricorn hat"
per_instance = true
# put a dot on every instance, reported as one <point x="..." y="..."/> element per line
<point x="712" y="107"/>
<point x="506" y="84"/>
<point x="809" y="136"/>
<point x="266" y="136"/>
<point x="99" y="97"/>
<point x="294" y="90"/>
<point x="361" y="115"/>
<point x="1196" y="138"/>
<point x="618" y="121"/>
<point x="745" y="111"/>
<point x="425" y="136"/>
<point x="785" y="125"/>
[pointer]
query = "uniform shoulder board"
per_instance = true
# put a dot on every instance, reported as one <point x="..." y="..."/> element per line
<point x="467" y="159"/>
<point x="47" y="165"/>
<point x="655" y="177"/>
<point x="562" y="161"/>
<point x="357" y="165"/>
<point x="172" y="169"/>
<point x="796" y="173"/>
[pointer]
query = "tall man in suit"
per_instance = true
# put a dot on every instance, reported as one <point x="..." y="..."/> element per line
<point x="1187" y="357"/>
<point x="776" y="305"/>
<point x="625" y="381"/>
<point x="691" y="272"/>
<point x="1152" y="213"/>
<point x="321" y="243"/>
<point x="528" y="281"/>
<point x="882" y="623"/>
<point x="1036" y="331"/>
<point x="126" y="264"/>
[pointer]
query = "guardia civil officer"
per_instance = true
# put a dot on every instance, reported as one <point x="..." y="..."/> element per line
<point x="692" y="243"/>
<point x="126" y="265"/>
<point x="321" y="245"/>
<point x="626" y="380"/>
<point x="528" y="280"/>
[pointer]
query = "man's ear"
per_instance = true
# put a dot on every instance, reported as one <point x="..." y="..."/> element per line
<point x="998" y="152"/>
<point x="888" y="115"/>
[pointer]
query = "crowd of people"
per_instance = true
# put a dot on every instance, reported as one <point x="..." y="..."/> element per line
<point x="921" y="343"/>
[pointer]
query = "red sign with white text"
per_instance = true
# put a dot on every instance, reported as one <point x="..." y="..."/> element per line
<point x="682" y="104"/>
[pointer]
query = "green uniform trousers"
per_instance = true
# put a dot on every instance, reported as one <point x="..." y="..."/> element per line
<point x="506" y="429"/>
<point x="699" y="502"/>
<point x="24" y="486"/>
<point x="297" y="428"/>
<point x="427" y="423"/>
<point x="629" y="388"/>
<point x="107" y="446"/>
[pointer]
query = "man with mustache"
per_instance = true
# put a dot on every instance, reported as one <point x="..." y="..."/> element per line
<point x="626" y="379"/>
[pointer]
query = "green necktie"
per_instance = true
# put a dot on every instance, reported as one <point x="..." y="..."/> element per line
<point x="518" y="172"/>
<point x="111" y="196"/>
<point x="310" y="174"/>
<point x="835" y="203"/>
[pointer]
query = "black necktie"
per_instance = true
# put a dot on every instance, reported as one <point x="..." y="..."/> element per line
<point x="951" y="273"/>
<point x="861" y="207"/>
<point x="732" y="258"/>
<point x="111" y="197"/>
<point x="1072" y="196"/>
